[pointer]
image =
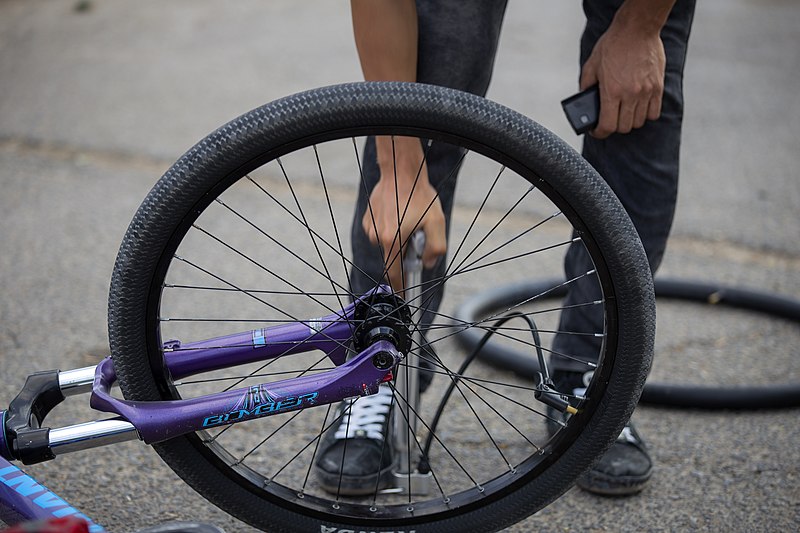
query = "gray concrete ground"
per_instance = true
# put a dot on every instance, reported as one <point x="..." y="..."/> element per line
<point x="97" y="98"/>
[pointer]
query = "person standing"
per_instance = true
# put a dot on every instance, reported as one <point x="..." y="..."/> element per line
<point x="635" y="51"/>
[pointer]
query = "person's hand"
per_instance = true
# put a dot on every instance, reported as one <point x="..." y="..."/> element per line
<point x="403" y="201"/>
<point x="628" y="64"/>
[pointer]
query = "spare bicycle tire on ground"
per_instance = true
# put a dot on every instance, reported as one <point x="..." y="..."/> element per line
<point x="666" y="394"/>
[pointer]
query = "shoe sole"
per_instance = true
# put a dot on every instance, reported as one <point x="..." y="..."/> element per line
<point x="355" y="485"/>
<point x="602" y="485"/>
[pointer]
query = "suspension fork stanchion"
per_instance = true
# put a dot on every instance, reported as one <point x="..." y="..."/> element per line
<point x="89" y="434"/>
<point x="22" y="435"/>
<point x="407" y="381"/>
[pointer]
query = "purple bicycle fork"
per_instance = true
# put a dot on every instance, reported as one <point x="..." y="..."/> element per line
<point x="22" y="436"/>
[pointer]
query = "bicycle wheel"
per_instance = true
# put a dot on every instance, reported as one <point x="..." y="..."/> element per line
<point x="251" y="228"/>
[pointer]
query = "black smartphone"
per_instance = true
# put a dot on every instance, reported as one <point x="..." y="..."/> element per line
<point x="583" y="109"/>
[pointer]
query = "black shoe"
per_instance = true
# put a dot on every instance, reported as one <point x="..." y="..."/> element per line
<point x="356" y="455"/>
<point x="626" y="467"/>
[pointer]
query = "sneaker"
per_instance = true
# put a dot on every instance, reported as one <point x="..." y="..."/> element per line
<point x="356" y="456"/>
<point x="626" y="467"/>
<point x="624" y="470"/>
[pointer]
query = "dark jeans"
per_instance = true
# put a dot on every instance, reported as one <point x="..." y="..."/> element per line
<point x="457" y="45"/>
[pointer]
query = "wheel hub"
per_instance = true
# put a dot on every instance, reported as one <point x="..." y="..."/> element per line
<point x="382" y="317"/>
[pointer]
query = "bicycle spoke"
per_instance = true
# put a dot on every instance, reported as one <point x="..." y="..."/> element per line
<point x="256" y="291"/>
<point x="476" y="216"/>
<point x="242" y="291"/>
<point x="322" y="275"/>
<point x="333" y="217"/>
<point x="444" y="446"/>
<point x="274" y="432"/>
<point x="316" y="237"/>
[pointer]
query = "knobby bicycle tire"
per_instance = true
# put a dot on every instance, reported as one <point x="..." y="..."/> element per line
<point x="173" y="214"/>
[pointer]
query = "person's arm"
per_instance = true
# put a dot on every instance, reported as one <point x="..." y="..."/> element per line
<point x="628" y="63"/>
<point x="386" y="39"/>
<point x="385" y="33"/>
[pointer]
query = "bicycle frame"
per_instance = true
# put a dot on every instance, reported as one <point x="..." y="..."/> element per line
<point x="22" y="498"/>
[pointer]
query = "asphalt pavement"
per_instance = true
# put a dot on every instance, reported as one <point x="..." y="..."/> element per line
<point x="98" y="98"/>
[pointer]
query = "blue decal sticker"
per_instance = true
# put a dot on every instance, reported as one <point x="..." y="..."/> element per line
<point x="257" y="402"/>
<point x="259" y="338"/>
